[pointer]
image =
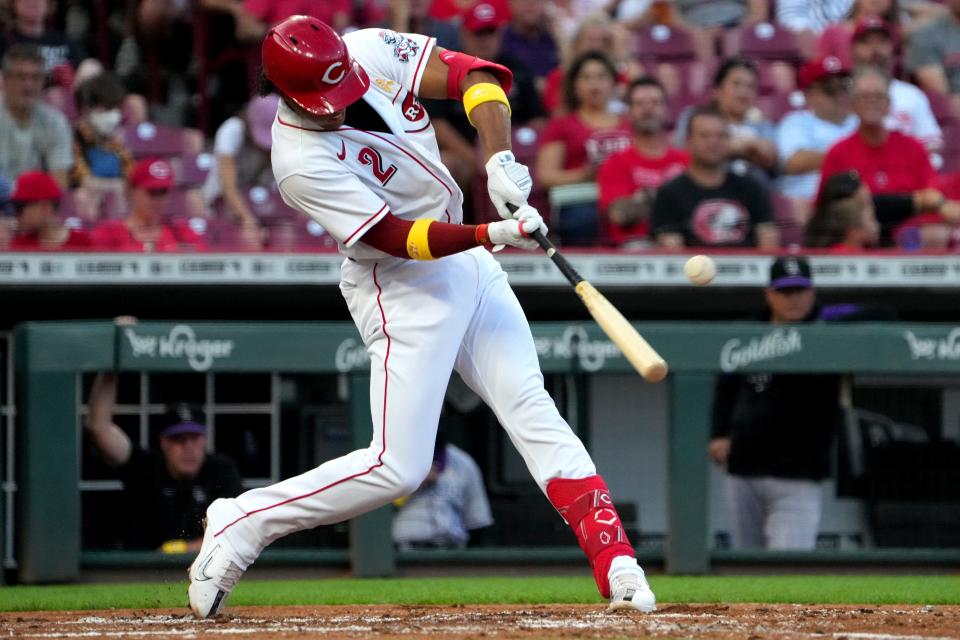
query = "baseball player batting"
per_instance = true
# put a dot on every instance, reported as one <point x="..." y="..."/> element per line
<point x="354" y="149"/>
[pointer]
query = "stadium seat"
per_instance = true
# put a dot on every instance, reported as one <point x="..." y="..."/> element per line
<point x="148" y="139"/>
<point x="191" y="170"/>
<point x="776" y="77"/>
<point x="951" y="148"/>
<point x="67" y="209"/>
<point x="312" y="236"/>
<point x="298" y="234"/>
<point x="775" y="107"/>
<point x="266" y="203"/>
<point x="940" y="105"/>
<point x="784" y="216"/>
<point x="224" y="235"/>
<point x="186" y="203"/>
<point x="679" y="104"/>
<point x="660" y="43"/>
<point x="762" y="41"/>
<point x="692" y="78"/>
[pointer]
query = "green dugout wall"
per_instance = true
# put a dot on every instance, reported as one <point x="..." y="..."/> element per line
<point x="49" y="355"/>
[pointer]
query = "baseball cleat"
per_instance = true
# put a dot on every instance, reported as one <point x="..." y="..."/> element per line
<point x="212" y="575"/>
<point x="629" y="590"/>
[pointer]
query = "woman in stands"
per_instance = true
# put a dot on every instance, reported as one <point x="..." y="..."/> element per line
<point x="752" y="136"/>
<point x="242" y="151"/>
<point x="845" y="220"/>
<point x="574" y="145"/>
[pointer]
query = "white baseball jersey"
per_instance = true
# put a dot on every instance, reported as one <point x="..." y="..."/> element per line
<point x="910" y="113"/>
<point x="419" y="319"/>
<point x="348" y="179"/>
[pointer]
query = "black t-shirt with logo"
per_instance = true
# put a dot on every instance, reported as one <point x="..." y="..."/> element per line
<point x="161" y="508"/>
<point x="723" y="216"/>
<point x="55" y="47"/>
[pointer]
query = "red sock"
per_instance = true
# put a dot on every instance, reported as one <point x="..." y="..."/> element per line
<point x="586" y="506"/>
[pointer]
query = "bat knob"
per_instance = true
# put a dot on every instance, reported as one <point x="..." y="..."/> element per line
<point x="656" y="371"/>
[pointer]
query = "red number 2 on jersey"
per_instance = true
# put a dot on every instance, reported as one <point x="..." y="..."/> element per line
<point x="370" y="156"/>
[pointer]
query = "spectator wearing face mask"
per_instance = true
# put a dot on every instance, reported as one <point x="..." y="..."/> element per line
<point x="101" y="162"/>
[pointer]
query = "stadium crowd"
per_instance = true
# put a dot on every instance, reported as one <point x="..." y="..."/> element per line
<point x="830" y="124"/>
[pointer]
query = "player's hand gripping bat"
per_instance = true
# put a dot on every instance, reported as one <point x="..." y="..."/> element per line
<point x="638" y="351"/>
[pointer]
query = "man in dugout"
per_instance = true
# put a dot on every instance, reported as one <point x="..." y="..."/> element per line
<point x="773" y="433"/>
<point x="166" y="491"/>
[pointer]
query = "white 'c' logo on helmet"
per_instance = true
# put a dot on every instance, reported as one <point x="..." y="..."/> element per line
<point x="328" y="75"/>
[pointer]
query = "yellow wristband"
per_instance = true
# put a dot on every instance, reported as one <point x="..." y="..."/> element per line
<point x="484" y="92"/>
<point x="417" y="246"/>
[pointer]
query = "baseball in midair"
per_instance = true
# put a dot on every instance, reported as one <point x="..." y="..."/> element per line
<point x="700" y="270"/>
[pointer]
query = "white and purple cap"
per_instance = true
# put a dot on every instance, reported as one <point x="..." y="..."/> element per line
<point x="790" y="272"/>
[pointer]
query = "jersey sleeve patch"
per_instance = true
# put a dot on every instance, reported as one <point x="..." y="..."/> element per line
<point x="404" y="49"/>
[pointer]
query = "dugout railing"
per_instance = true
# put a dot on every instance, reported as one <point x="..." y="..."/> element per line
<point x="50" y="355"/>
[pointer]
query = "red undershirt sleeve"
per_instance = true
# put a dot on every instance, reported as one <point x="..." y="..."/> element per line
<point x="390" y="236"/>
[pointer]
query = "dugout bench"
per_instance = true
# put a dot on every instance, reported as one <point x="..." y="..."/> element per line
<point x="50" y="355"/>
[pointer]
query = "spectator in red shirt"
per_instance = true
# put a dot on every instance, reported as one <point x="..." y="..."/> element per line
<point x="254" y="17"/>
<point x="629" y="180"/>
<point x="144" y="228"/>
<point x="572" y="146"/>
<point x="35" y="197"/>
<point x="887" y="161"/>
<point x="454" y="9"/>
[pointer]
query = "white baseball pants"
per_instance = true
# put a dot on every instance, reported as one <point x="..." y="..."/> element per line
<point x="419" y="321"/>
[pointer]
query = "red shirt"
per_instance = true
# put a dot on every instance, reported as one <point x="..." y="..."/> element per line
<point x="449" y="9"/>
<point x="899" y="165"/>
<point x="582" y="144"/>
<point x="75" y="240"/>
<point x="273" y="11"/>
<point x="114" y="235"/>
<point x="553" y="90"/>
<point x="627" y="172"/>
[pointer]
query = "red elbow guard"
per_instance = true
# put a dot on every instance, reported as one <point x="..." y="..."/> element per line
<point x="461" y="64"/>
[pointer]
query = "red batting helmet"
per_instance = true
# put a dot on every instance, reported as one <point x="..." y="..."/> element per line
<point x="310" y="64"/>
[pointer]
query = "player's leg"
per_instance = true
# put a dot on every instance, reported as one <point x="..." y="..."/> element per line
<point x="412" y="324"/>
<point x="498" y="360"/>
<point x="793" y="517"/>
<point x="747" y="511"/>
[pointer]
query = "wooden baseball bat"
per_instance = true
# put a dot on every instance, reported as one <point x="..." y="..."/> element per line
<point x="636" y="350"/>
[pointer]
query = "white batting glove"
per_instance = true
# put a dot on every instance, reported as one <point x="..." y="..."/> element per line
<point x="517" y="233"/>
<point x="508" y="181"/>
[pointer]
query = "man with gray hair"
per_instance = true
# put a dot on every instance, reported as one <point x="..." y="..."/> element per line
<point x="887" y="161"/>
<point x="32" y="135"/>
<point x="872" y="45"/>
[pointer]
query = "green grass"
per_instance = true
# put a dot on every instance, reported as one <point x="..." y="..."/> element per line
<point x="787" y="589"/>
